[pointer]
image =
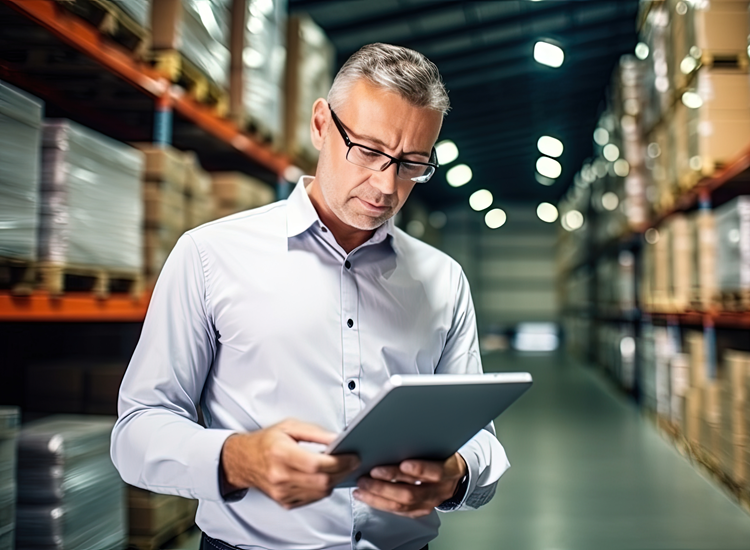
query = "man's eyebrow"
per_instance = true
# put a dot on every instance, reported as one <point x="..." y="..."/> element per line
<point x="383" y="144"/>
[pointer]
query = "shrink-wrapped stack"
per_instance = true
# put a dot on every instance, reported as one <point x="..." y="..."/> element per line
<point x="309" y="74"/>
<point x="198" y="206"/>
<point x="164" y="187"/>
<point x="733" y="254"/>
<point x="20" y="140"/>
<point x="139" y="10"/>
<point x="91" y="207"/>
<point x="258" y="62"/>
<point x="734" y="404"/>
<point x="9" y="420"/>
<point x="205" y="37"/>
<point x="693" y="395"/>
<point x="678" y="263"/>
<point x="703" y="263"/>
<point x="234" y="192"/>
<point x="154" y="518"/>
<point x="69" y="493"/>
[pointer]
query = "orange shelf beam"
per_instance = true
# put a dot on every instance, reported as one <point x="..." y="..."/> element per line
<point x="724" y="319"/>
<point x="87" y="39"/>
<point x="72" y="307"/>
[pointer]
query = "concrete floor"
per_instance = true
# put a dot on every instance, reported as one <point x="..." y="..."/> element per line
<point x="588" y="472"/>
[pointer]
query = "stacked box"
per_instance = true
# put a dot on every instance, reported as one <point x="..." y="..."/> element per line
<point x="309" y="74"/>
<point x="710" y="421"/>
<point x="79" y="387"/>
<point x="234" y="192"/>
<point x="91" y="210"/>
<point x="258" y="55"/>
<point x="703" y="263"/>
<point x="20" y="140"/>
<point x="9" y="421"/>
<point x="647" y="353"/>
<point x="660" y="282"/>
<point x="69" y="493"/>
<point x="164" y="204"/>
<point x="692" y="405"/>
<point x="733" y="250"/>
<point x="156" y="516"/>
<point x="198" y="206"/>
<point x="679" y="256"/>
<point x="679" y="371"/>
<point x="733" y="455"/>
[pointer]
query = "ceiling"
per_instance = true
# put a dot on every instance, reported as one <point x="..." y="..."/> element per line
<point x="502" y="100"/>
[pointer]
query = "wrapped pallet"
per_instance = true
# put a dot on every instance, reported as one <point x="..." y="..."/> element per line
<point x="155" y="518"/>
<point x="710" y="421"/>
<point x="91" y="210"/>
<point x="733" y="422"/>
<point x="733" y="254"/>
<point x="9" y="421"/>
<point x="20" y="141"/>
<point x="678" y="263"/>
<point x="234" y="192"/>
<point x="164" y="187"/>
<point x="309" y="74"/>
<point x="139" y="10"/>
<point x="258" y="61"/>
<point x="703" y="264"/>
<point x="198" y="207"/>
<point x="69" y="493"/>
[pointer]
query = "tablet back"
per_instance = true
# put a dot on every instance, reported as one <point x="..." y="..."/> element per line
<point x="426" y="417"/>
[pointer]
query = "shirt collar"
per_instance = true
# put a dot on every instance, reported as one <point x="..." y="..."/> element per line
<point x="301" y="214"/>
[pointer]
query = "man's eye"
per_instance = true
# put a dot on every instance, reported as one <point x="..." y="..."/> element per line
<point x="369" y="154"/>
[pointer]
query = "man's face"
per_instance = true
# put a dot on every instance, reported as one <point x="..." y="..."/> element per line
<point x="361" y="198"/>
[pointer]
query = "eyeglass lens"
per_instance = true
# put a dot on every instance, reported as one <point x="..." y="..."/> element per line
<point x="377" y="161"/>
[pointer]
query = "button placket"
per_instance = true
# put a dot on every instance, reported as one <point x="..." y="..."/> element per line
<point x="351" y="345"/>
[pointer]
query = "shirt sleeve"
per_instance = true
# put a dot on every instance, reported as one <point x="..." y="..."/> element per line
<point x="484" y="455"/>
<point x="157" y="443"/>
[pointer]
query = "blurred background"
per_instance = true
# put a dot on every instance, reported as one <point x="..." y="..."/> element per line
<point x="594" y="185"/>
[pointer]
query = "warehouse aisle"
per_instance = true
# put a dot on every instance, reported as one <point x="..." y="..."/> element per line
<point x="590" y="473"/>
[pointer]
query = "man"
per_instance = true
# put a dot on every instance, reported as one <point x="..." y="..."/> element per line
<point x="283" y="322"/>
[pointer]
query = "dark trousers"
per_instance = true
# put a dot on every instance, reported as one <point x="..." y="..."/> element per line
<point x="207" y="543"/>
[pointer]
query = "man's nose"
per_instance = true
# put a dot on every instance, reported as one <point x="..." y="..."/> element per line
<point x="386" y="180"/>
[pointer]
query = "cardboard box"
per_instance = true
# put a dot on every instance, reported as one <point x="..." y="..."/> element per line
<point x="679" y="252"/>
<point x="164" y="165"/>
<point x="703" y="265"/>
<point x="722" y="27"/>
<point x="234" y="192"/>
<point x="163" y="206"/>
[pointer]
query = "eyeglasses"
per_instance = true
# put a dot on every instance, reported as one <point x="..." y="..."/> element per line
<point x="372" y="159"/>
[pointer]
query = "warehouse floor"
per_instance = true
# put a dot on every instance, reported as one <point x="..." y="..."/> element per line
<point x="589" y="472"/>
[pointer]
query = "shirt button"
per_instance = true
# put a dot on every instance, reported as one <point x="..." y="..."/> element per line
<point x="352" y="385"/>
<point x="358" y="536"/>
<point x="347" y="264"/>
<point x="324" y="229"/>
<point x="350" y="323"/>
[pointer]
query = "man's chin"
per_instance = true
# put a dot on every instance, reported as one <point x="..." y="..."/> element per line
<point x="364" y="222"/>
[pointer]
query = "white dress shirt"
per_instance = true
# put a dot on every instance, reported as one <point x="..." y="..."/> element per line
<point x="262" y="316"/>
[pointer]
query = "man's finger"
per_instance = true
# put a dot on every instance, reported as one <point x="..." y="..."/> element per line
<point x="304" y="431"/>
<point x="394" y="475"/>
<point x="424" y="470"/>
<point x="313" y="463"/>
<point x="380" y="503"/>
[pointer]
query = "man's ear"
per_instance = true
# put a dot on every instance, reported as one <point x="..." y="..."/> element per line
<point x="319" y="123"/>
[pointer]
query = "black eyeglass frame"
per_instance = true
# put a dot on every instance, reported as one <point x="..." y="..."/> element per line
<point x="393" y="160"/>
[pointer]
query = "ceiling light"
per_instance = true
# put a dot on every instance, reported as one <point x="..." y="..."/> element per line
<point x="548" y="167"/>
<point x="692" y="100"/>
<point x="548" y="54"/>
<point x="641" y="50"/>
<point x="601" y="136"/>
<point x="550" y="146"/>
<point x="495" y="218"/>
<point x="610" y="201"/>
<point x="543" y="180"/>
<point x="415" y="228"/>
<point x="572" y="220"/>
<point x="622" y="167"/>
<point x="480" y="200"/>
<point x="611" y="152"/>
<point x="458" y="175"/>
<point x="547" y="212"/>
<point x="447" y="152"/>
<point x="688" y="65"/>
<point x="652" y="236"/>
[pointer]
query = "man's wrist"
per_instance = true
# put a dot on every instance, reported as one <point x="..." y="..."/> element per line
<point x="461" y="487"/>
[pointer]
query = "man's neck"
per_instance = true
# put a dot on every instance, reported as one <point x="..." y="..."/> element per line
<point x="348" y="237"/>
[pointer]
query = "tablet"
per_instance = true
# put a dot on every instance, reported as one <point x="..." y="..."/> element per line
<point x="425" y="417"/>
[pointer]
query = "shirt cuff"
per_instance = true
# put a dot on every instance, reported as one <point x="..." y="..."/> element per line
<point x="204" y="450"/>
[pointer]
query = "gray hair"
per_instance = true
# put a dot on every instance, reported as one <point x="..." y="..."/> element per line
<point x="401" y="70"/>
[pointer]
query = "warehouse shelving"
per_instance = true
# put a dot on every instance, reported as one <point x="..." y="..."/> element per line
<point x="78" y="306"/>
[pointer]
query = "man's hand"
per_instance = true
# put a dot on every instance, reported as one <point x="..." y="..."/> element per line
<point x="413" y="488"/>
<point x="272" y="461"/>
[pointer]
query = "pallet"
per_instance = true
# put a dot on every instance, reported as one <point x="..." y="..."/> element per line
<point x="112" y="21"/>
<point x="735" y="300"/>
<point x="155" y="541"/>
<point x="175" y="67"/>
<point x="57" y="279"/>
<point x="18" y="276"/>
<point x="714" y="60"/>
